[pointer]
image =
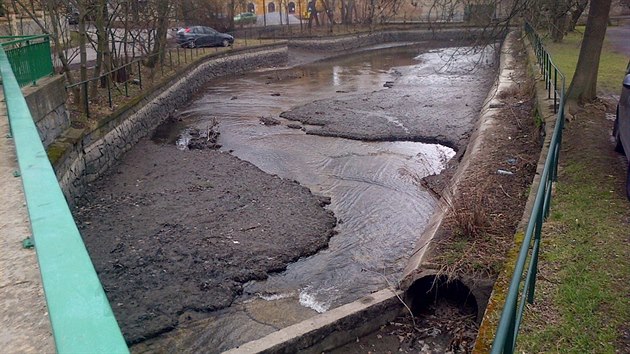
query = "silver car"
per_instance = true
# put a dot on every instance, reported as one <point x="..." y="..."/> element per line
<point x="621" y="130"/>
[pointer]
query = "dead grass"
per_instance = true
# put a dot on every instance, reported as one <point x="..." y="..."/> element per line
<point x="469" y="218"/>
<point x="480" y="227"/>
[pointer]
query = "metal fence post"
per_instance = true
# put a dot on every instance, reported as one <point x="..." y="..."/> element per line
<point x="555" y="89"/>
<point x="139" y="75"/>
<point x="109" y="92"/>
<point x="549" y="76"/>
<point x="85" y="98"/>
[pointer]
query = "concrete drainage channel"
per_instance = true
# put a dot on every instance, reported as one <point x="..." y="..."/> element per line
<point x="332" y="328"/>
<point x="346" y="323"/>
<point x="338" y="326"/>
<point x="420" y="287"/>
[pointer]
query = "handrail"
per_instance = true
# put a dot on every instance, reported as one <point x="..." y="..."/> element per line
<point x="548" y="69"/>
<point x="511" y="316"/>
<point x="29" y="57"/>
<point x="81" y="318"/>
<point x="18" y="39"/>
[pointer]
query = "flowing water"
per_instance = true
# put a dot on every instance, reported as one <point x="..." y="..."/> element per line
<point x="373" y="186"/>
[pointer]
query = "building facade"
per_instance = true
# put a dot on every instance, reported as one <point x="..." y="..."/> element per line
<point x="293" y="7"/>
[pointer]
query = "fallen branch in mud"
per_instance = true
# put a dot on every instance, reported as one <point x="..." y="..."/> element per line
<point x="193" y="138"/>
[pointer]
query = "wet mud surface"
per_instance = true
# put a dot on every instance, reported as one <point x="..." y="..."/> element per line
<point x="185" y="239"/>
<point x="171" y="231"/>
<point x="436" y="100"/>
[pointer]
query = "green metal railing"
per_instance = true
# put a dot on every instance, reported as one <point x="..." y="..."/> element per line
<point x="80" y="315"/>
<point x="29" y="57"/>
<point x="523" y="284"/>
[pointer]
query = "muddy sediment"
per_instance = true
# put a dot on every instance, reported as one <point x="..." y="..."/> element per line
<point x="177" y="232"/>
<point x="437" y="105"/>
<point x="171" y="231"/>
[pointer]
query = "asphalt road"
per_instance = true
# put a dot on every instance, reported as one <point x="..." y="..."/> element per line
<point x="619" y="38"/>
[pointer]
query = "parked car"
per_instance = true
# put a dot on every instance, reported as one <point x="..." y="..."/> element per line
<point x="201" y="36"/>
<point x="621" y="130"/>
<point x="245" y="18"/>
<point x="73" y="18"/>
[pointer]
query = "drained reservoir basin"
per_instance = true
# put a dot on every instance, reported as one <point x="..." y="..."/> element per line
<point x="358" y="131"/>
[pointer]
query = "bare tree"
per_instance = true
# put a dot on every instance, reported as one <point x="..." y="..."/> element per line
<point x="559" y="15"/>
<point x="163" y="8"/>
<point x="583" y="87"/>
<point x="102" y="47"/>
<point x="576" y="12"/>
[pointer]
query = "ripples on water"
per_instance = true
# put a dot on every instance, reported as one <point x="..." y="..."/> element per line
<point x="373" y="186"/>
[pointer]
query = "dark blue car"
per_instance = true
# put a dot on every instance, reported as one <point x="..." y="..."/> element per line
<point x="200" y="36"/>
<point x="622" y="124"/>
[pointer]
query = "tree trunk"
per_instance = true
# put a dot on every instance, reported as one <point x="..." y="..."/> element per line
<point x="559" y="20"/>
<point x="583" y="87"/>
<point x="102" y="44"/>
<point x="329" y="14"/>
<point x="157" y="54"/>
<point x="576" y="13"/>
<point x="280" y="13"/>
<point x="301" y="14"/>
<point x="55" y="36"/>
<point x="371" y="18"/>
<point x="264" y="14"/>
<point x="83" y="56"/>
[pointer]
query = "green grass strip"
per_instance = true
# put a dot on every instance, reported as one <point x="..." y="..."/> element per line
<point x="611" y="67"/>
<point x="586" y="251"/>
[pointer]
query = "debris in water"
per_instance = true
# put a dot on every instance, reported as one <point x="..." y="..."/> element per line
<point x="199" y="139"/>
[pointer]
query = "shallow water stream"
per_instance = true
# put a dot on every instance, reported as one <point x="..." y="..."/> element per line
<point x="374" y="187"/>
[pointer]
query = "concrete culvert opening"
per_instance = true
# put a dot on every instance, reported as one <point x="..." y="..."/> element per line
<point x="440" y="296"/>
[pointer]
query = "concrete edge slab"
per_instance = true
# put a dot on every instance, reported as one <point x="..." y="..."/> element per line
<point x="330" y="329"/>
<point x="497" y="297"/>
<point x="416" y="267"/>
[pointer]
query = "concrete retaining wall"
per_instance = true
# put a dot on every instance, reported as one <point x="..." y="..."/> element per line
<point x="47" y="103"/>
<point x="367" y="39"/>
<point x="82" y="157"/>
<point x="94" y="152"/>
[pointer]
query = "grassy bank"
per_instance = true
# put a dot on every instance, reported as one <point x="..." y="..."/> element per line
<point x="582" y="295"/>
<point x="582" y="302"/>
<point x="611" y="66"/>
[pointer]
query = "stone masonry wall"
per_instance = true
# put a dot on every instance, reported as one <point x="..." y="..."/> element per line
<point x="47" y="103"/>
<point x="366" y="39"/>
<point x="100" y="149"/>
